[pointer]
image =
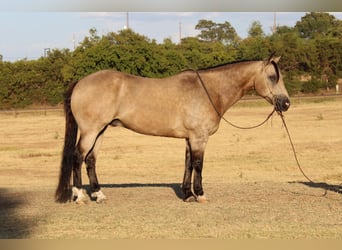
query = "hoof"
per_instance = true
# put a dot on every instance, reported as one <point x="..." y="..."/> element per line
<point x="190" y="199"/>
<point x="75" y="193"/>
<point x="80" y="202"/>
<point x="202" y="199"/>
<point x="78" y="196"/>
<point x="101" y="200"/>
<point x="99" y="196"/>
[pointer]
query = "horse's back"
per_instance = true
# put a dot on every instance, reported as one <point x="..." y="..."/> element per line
<point x="111" y="79"/>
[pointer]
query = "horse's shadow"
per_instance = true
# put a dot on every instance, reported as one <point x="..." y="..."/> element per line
<point x="321" y="185"/>
<point x="13" y="225"/>
<point x="176" y="187"/>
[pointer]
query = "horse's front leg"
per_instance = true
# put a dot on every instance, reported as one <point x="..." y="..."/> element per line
<point x="186" y="187"/>
<point x="194" y="161"/>
<point x="197" y="163"/>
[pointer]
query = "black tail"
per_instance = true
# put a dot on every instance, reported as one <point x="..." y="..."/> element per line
<point x="63" y="192"/>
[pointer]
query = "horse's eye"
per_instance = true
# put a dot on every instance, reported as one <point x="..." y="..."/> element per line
<point x="273" y="78"/>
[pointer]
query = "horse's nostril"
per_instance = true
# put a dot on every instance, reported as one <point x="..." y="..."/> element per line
<point x="286" y="105"/>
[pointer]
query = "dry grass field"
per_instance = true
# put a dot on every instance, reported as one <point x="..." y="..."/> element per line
<point x="250" y="177"/>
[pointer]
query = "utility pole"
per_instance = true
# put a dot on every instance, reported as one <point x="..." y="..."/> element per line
<point x="275" y="23"/>
<point x="74" y="40"/>
<point x="127" y="20"/>
<point x="180" y="32"/>
<point x="46" y="52"/>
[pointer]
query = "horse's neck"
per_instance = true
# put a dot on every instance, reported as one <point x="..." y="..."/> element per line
<point x="226" y="87"/>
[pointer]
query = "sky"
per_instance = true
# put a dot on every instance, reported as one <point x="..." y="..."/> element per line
<point x="28" y="34"/>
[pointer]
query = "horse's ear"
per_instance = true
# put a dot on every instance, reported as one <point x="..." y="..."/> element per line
<point x="272" y="59"/>
<point x="276" y="59"/>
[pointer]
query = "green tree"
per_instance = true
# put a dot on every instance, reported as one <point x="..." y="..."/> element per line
<point x="216" y="32"/>
<point x="201" y="54"/>
<point x="54" y="81"/>
<point x="22" y="83"/>
<point x="317" y="24"/>
<point x="171" y="60"/>
<point x="254" y="48"/>
<point x="5" y="82"/>
<point x="255" y="30"/>
<point x="125" y="51"/>
<point x="298" y="55"/>
<point x="329" y="66"/>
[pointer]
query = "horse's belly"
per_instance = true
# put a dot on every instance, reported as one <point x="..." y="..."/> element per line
<point x="159" y="124"/>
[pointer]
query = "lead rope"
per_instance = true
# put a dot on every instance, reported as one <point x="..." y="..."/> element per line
<point x="292" y="146"/>
<point x="326" y="187"/>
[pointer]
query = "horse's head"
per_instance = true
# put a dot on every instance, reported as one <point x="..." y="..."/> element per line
<point x="269" y="84"/>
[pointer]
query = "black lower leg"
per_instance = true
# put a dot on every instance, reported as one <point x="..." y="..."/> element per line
<point x="186" y="187"/>
<point x="90" y="162"/>
<point x="197" y="164"/>
<point x="77" y="164"/>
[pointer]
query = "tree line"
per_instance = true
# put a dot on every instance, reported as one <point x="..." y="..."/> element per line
<point x="310" y="50"/>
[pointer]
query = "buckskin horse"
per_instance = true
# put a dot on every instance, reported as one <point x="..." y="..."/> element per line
<point x="187" y="105"/>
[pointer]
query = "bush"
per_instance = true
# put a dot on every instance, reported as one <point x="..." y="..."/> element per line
<point x="311" y="86"/>
<point x="293" y="86"/>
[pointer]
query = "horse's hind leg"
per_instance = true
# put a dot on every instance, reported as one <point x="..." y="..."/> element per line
<point x="89" y="145"/>
<point x="90" y="161"/>
<point x="186" y="187"/>
<point x="95" y="189"/>
<point x="77" y="191"/>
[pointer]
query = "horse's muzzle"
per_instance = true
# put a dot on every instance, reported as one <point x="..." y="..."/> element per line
<point x="281" y="103"/>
